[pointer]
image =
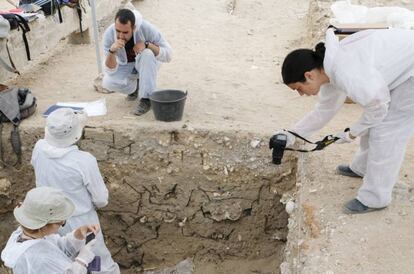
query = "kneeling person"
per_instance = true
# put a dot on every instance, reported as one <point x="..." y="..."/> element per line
<point x="58" y="163"/>
<point x="35" y="248"/>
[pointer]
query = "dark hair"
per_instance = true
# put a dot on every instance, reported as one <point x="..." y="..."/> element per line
<point x="300" y="61"/>
<point x="124" y="16"/>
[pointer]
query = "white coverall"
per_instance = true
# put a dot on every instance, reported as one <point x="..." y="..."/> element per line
<point x="52" y="254"/>
<point x="77" y="174"/>
<point x="375" y="68"/>
<point x="123" y="78"/>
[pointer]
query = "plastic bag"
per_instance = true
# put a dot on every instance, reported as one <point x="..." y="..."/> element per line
<point x="346" y="13"/>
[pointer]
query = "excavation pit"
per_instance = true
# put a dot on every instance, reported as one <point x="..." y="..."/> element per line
<point x="210" y="197"/>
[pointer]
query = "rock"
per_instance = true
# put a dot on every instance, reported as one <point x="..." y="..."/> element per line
<point x="5" y="200"/>
<point x="226" y="172"/>
<point x="184" y="267"/>
<point x="221" y="210"/>
<point x="403" y="213"/>
<point x="255" y="143"/>
<point x="5" y="186"/>
<point x="284" y="268"/>
<point x="182" y="223"/>
<point x="97" y="84"/>
<point x="290" y="207"/>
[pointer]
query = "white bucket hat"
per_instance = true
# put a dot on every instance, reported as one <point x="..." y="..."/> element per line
<point x="64" y="127"/>
<point x="42" y="206"/>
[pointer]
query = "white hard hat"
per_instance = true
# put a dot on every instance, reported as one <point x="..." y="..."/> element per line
<point x="64" y="127"/>
<point x="42" y="206"/>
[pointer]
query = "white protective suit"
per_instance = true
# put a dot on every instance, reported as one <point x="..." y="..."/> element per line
<point x="77" y="174"/>
<point x="123" y="78"/>
<point x="375" y="68"/>
<point x="52" y="254"/>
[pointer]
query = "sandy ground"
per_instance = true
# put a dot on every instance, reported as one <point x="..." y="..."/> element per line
<point x="230" y="65"/>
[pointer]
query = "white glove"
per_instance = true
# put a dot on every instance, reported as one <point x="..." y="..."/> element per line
<point x="290" y="137"/>
<point x="344" y="138"/>
<point x="86" y="254"/>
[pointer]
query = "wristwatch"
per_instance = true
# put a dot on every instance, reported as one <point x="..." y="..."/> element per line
<point x="111" y="51"/>
<point x="146" y="44"/>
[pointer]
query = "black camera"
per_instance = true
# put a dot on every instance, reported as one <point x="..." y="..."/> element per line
<point x="278" y="144"/>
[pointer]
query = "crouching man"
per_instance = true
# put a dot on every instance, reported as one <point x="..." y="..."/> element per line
<point x="134" y="49"/>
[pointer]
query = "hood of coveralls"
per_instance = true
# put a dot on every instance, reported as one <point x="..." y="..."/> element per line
<point x="55" y="152"/>
<point x="13" y="250"/>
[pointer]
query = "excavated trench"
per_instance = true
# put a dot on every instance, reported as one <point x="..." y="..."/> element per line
<point x="211" y="197"/>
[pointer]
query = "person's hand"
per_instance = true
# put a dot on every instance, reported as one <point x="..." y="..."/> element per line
<point x="86" y="255"/>
<point x="139" y="47"/>
<point x="344" y="137"/>
<point x="120" y="43"/>
<point x="82" y="231"/>
<point x="290" y="138"/>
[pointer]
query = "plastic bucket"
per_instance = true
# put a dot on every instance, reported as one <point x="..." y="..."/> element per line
<point x="168" y="105"/>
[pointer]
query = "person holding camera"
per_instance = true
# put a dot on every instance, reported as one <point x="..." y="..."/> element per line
<point x="58" y="163"/>
<point x="36" y="248"/>
<point x="134" y="49"/>
<point x="374" y="68"/>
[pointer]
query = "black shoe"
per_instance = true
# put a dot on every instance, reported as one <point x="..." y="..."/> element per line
<point x="143" y="107"/>
<point x="345" y="170"/>
<point x="133" y="96"/>
<point x="356" y="207"/>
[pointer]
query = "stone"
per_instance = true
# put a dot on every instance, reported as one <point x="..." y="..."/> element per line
<point x="5" y="186"/>
<point x="255" y="143"/>
<point x="224" y="210"/>
<point x="290" y="207"/>
<point x="121" y="141"/>
<point x="99" y="134"/>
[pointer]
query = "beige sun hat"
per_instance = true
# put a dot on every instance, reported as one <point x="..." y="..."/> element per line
<point x="64" y="127"/>
<point x="42" y="206"/>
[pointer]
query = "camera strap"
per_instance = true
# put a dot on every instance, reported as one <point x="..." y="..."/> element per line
<point x="329" y="139"/>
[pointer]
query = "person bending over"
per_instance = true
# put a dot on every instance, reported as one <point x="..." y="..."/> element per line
<point x="374" y="68"/>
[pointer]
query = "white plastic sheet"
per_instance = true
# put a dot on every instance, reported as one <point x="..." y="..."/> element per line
<point x="346" y="13"/>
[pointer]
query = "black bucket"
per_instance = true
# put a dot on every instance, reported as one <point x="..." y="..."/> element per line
<point x="168" y="105"/>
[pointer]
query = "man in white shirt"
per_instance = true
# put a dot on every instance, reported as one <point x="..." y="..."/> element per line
<point x="133" y="48"/>
<point x="59" y="163"/>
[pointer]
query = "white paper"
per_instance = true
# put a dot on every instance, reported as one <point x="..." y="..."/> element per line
<point x="95" y="108"/>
